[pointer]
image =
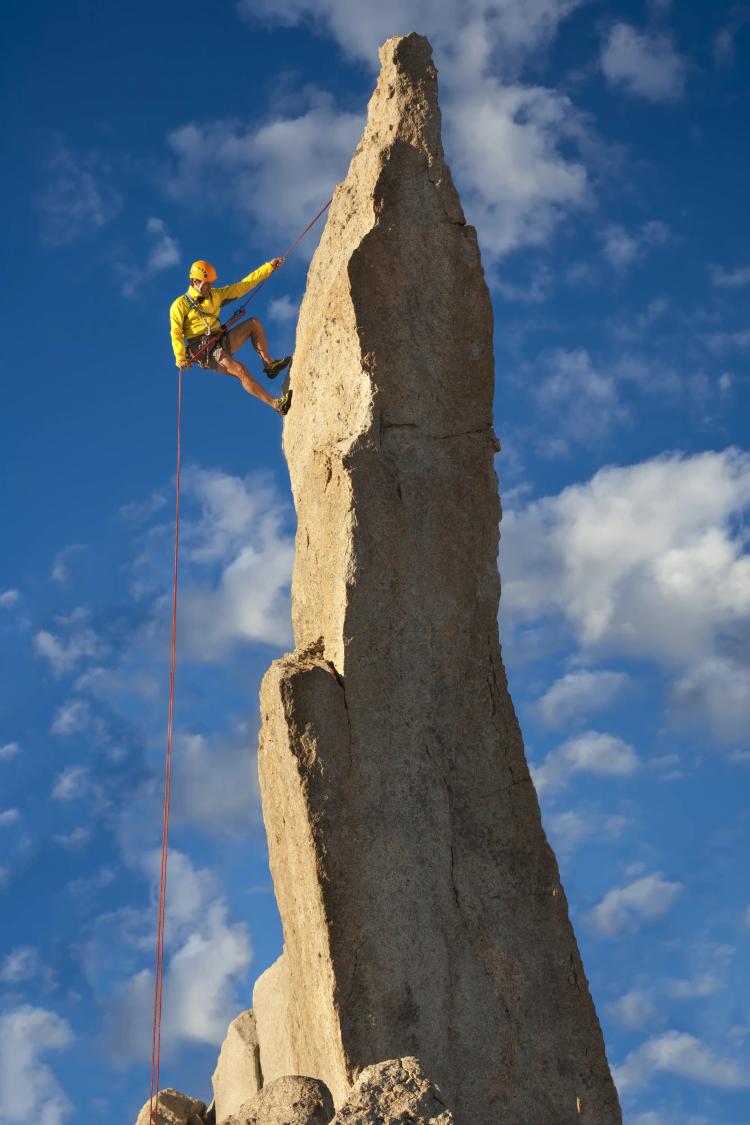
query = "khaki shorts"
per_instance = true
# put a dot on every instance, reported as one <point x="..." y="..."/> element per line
<point x="220" y="345"/>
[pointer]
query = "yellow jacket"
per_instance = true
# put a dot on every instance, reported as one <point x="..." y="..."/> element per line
<point x="184" y="321"/>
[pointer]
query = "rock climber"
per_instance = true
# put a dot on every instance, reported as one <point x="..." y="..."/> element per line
<point x="194" y="319"/>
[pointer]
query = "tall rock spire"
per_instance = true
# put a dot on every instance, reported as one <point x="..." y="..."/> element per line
<point x="422" y="907"/>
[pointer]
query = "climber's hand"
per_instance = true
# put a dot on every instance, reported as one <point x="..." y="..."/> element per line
<point x="276" y="262"/>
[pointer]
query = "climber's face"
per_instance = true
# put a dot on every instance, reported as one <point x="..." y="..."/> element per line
<point x="203" y="287"/>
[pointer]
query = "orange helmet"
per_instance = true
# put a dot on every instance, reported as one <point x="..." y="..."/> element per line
<point x="203" y="271"/>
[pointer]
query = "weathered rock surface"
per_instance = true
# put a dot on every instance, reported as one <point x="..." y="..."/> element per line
<point x="174" y="1109"/>
<point x="291" y="1100"/>
<point x="273" y="1018"/>
<point x="391" y="1093"/>
<point x="237" y="1077"/>
<point x="422" y="907"/>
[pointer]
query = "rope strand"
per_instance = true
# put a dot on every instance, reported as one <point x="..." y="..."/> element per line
<point x="161" y="922"/>
<point x="161" y="917"/>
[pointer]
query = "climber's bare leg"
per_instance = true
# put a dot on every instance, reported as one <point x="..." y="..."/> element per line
<point x="250" y="329"/>
<point x="233" y="367"/>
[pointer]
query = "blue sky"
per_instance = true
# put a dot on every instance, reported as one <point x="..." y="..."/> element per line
<point x="600" y="149"/>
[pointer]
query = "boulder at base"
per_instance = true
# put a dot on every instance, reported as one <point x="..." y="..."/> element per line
<point x="391" y="1093"/>
<point x="174" y="1109"/>
<point x="291" y="1100"/>
<point x="237" y="1077"/>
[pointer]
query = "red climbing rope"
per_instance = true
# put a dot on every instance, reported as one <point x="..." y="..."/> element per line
<point x="159" y="971"/>
<point x="161" y="918"/>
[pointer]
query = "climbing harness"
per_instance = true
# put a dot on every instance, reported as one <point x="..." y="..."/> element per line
<point x="161" y="915"/>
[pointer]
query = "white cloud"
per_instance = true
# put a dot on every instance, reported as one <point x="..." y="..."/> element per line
<point x="87" y="888"/>
<point x="724" y="41"/>
<point x="624" y="248"/>
<point x="9" y="817"/>
<point x="643" y="64"/>
<point x="505" y="143"/>
<point x="690" y="988"/>
<point x="8" y="598"/>
<point x="71" y="841"/>
<point x="715" y="690"/>
<point x="70" y="784"/>
<point x="576" y="695"/>
<point x="592" y="752"/>
<point x="278" y="173"/>
<point x="730" y="279"/>
<point x="647" y="561"/>
<point x="721" y="342"/>
<point x="216" y="774"/>
<point x="283" y="310"/>
<point x="517" y="150"/>
<point x="238" y="563"/>
<point x="8" y="751"/>
<point x="19" y="965"/>
<point x="359" y="28"/>
<point x="570" y="828"/>
<point x="65" y="655"/>
<point x="164" y="253"/>
<point x="682" y="1055"/>
<point x="77" y="198"/>
<point x="26" y="1033"/>
<point x="573" y="380"/>
<point x="207" y="958"/>
<point x="60" y="572"/>
<point x="635" y="1010"/>
<point x="624" y="909"/>
<point x="71" y="717"/>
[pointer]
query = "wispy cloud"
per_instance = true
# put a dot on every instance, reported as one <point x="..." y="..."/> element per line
<point x="77" y="198"/>
<point x="70" y="784"/>
<point x="623" y="248"/>
<point x="592" y="752"/>
<point x="730" y="279"/>
<point x="71" y="717"/>
<point x="60" y="568"/>
<point x="721" y="342"/>
<point x="65" y="654"/>
<point x="643" y="63"/>
<point x="73" y="840"/>
<point x="683" y="1055"/>
<point x="163" y="253"/>
<point x="238" y="551"/>
<point x="277" y="174"/>
<point x="579" y="694"/>
<point x="636" y="1010"/>
<point x="19" y="965"/>
<point x="9" y="817"/>
<point x="9" y="598"/>
<point x="571" y="379"/>
<point x="8" y="751"/>
<point x="569" y="828"/>
<point x="625" y="909"/>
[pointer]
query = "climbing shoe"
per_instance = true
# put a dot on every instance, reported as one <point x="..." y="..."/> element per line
<point x="276" y="365"/>
<point x="283" y="402"/>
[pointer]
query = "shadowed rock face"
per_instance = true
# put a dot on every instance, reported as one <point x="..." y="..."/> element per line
<point x="422" y="908"/>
